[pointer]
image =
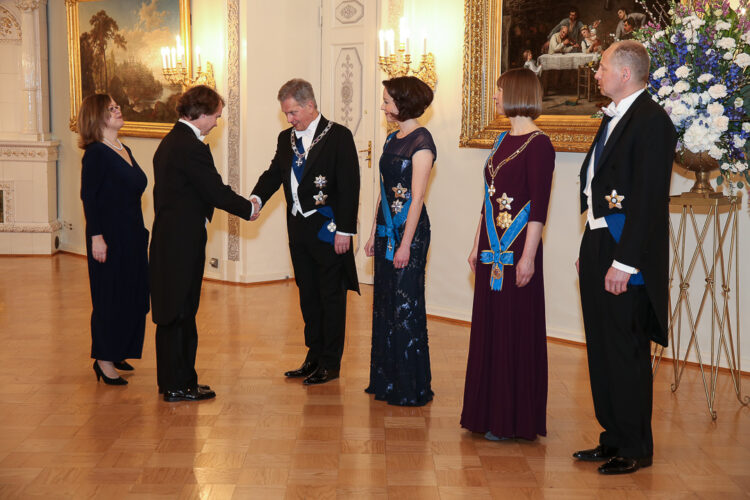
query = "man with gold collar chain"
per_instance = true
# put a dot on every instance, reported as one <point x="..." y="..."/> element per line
<point x="316" y="163"/>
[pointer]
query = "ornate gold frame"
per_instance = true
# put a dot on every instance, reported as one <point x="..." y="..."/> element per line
<point x="479" y="126"/>
<point x="135" y="129"/>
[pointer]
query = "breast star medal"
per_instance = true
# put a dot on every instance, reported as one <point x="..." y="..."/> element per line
<point x="320" y="198"/>
<point x="397" y="206"/>
<point x="504" y="202"/>
<point x="400" y="191"/>
<point x="331" y="226"/>
<point x="504" y="219"/>
<point x="492" y="189"/>
<point x="320" y="182"/>
<point x="614" y="199"/>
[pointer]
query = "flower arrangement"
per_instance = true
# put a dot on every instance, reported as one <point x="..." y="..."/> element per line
<point x="700" y="74"/>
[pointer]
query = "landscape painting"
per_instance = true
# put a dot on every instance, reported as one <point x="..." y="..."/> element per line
<point x="115" y="48"/>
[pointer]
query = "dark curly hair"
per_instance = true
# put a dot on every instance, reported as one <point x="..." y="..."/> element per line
<point x="410" y="95"/>
<point x="197" y="101"/>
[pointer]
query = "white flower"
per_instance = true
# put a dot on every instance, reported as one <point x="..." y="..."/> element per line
<point x="682" y="72"/>
<point x="723" y="25"/>
<point x="678" y="111"/>
<point x="738" y="142"/>
<point x="681" y="86"/>
<point x="673" y="38"/>
<point x="738" y="102"/>
<point x="746" y="127"/>
<point x="715" y="152"/>
<point x="718" y="12"/>
<point x="728" y="56"/>
<point x="726" y="43"/>
<point x="705" y="77"/>
<point x="665" y="91"/>
<point x="742" y="60"/>
<point x="726" y="166"/>
<point x="659" y="34"/>
<point x="705" y="98"/>
<point x="660" y="73"/>
<point x="717" y="91"/>
<point x="715" y="109"/>
<point x="695" y="138"/>
<point x="720" y="123"/>
<point x="740" y="167"/>
<point x="746" y="37"/>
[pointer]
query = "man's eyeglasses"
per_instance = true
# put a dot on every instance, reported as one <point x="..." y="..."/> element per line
<point x="112" y="109"/>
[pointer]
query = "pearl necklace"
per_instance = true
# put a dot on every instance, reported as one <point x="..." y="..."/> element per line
<point x="112" y="144"/>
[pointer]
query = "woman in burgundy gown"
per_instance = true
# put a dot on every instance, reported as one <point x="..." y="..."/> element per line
<point x="505" y="395"/>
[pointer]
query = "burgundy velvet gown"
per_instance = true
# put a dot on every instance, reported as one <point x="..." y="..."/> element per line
<point x="506" y="373"/>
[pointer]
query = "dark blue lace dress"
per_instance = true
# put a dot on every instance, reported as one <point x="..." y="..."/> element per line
<point x="400" y="357"/>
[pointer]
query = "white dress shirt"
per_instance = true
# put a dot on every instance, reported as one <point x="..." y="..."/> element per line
<point x="194" y="129"/>
<point x="616" y="112"/>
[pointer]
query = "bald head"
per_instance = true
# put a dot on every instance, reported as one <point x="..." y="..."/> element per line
<point x="634" y="56"/>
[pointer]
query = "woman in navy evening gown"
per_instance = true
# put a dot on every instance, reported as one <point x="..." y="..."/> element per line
<point x="116" y="239"/>
<point x="400" y="238"/>
<point x="505" y="394"/>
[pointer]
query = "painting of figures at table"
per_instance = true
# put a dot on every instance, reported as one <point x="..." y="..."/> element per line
<point x="562" y="43"/>
<point x="120" y="50"/>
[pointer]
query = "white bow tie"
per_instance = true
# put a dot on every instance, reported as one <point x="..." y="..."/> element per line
<point x="611" y="110"/>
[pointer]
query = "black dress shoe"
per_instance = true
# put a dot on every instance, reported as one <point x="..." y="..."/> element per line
<point x="107" y="380"/>
<point x="624" y="465"/>
<point x="190" y="394"/>
<point x="321" y="376"/>
<point x="598" y="454"/>
<point x="307" y="369"/>
<point x="124" y="366"/>
<point x="201" y="387"/>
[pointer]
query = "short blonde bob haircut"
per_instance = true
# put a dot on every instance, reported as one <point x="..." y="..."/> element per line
<point x="522" y="93"/>
<point x="92" y="117"/>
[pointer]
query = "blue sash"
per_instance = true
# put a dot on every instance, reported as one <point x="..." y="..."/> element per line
<point x="615" y="224"/>
<point x="499" y="256"/>
<point x="392" y="224"/>
<point x="327" y="231"/>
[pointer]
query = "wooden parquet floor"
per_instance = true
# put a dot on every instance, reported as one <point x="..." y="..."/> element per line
<point x="63" y="435"/>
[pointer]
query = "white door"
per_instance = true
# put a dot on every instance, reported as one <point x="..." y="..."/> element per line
<point x="347" y="95"/>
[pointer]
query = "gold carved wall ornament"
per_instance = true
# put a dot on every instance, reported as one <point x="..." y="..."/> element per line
<point x="482" y="52"/>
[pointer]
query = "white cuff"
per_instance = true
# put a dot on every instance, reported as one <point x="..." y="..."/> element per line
<point x="623" y="267"/>
<point x="260" y="202"/>
<point x="344" y="234"/>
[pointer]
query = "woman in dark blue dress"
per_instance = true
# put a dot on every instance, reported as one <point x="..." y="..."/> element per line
<point x="400" y="238"/>
<point x="116" y="239"/>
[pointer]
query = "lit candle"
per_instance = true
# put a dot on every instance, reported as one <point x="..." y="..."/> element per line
<point x="163" y="58"/>
<point x="402" y="31"/>
<point x="381" y="37"/>
<point x="174" y="57"/>
<point x="198" y="55"/>
<point x="424" y="41"/>
<point x="407" y="45"/>
<point x="179" y="49"/>
<point x="390" y="43"/>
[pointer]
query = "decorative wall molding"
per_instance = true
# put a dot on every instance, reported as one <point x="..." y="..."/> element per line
<point x="348" y="84"/>
<point x="349" y="11"/>
<point x="233" y="119"/>
<point x="10" y="28"/>
<point x="42" y="151"/>
<point x="8" y="190"/>
<point x="31" y="227"/>
<point x="29" y="5"/>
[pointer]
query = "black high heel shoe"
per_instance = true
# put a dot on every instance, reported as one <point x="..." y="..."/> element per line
<point x="107" y="380"/>
<point x="124" y="366"/>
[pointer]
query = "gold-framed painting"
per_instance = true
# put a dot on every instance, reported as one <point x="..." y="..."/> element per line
<point x="488" y="51"/>
<point x="114" y="47"/>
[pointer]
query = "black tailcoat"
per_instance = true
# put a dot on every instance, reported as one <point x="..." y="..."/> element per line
<point x="635" y="167"/>
<point x="323" y="277"/>
<point x="187" y="188"/>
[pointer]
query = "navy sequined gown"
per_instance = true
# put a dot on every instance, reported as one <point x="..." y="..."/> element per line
<point x="400" y="357"/>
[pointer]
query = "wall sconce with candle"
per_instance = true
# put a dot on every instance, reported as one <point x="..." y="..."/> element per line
<point x="176" y="67"/>
<point x="397" y="61"/>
